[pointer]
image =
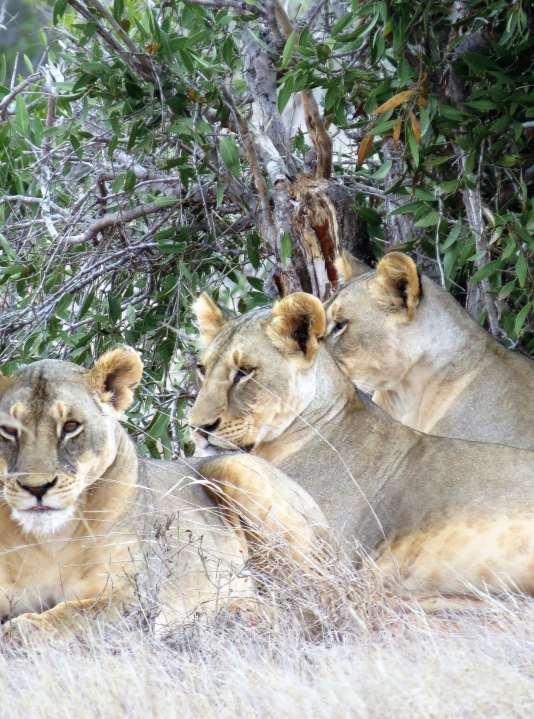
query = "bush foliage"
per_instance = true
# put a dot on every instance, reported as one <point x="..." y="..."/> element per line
<point x="153" y="151"/>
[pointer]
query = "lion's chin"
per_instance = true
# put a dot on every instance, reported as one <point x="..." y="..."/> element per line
<point x="42" y="524"/>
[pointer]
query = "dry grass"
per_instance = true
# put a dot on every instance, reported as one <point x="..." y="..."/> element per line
<point x="346" y="658"/>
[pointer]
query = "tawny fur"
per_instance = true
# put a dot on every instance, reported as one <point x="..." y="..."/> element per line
<point x="439" y="515"/>
<point x="209" y="317"/>
<point x="115" y="375"/>
<point x="114" y="523"/>
<point x="426" y="362"/>
<point x="298" y="319"/>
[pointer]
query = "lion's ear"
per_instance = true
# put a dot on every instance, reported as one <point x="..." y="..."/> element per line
<point x="297" y="323"/>
<point x="397" y="279"/>
<point x="115" y="375"/>
<point x="210" y="318"/>
<point x="348" y="267"/>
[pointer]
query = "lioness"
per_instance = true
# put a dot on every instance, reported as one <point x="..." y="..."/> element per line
<point x="444" y="515"/>
<point x="402" y="338"/>
<point x="87" y="528"/>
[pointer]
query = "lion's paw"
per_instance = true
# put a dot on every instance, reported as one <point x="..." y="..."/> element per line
<point x="24" y="628"/>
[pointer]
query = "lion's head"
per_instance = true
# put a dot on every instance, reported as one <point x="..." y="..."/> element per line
<point x="258" y="370"/>
<point x="59" y="433"/>
<point x="370" y="321"/>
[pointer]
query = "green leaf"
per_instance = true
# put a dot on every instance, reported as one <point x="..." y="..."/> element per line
<point x="385" y="126"/>
<point x="59" y="9"/>
<point x="521" y="318"/>
<point x="129" y="181"/>
<point x="448" y="186"/>
<point x="431" y="218"/>
<point x="289" y="47"/>
<point x="453" y="235"/>
<point x="486" y="271"/>
<point x="506" y="290"/>
<point x="383" y="171"/>
<point x="285" y="92"/>
<point x="229" y="154"/>
<point x="323" y="51"/>
<point x="423" y="194"/>
<point x="112" y="146"/>
<point x="114" y="304"/>
<point x="219" y="194"/>
<point x="333" y="94"/>
<point x="159" y="426"/>
<point x="6" y="247"/>
<point x="253" y="249"/>
<point x="256" y="282"/>
<point x="409" y="207"/>
<point x="286" y="248"/>
<point x="342" y="23"/>
<point x="369" y="215"/>
<point x="449" y="264"/>
<point x="451" y="113"/>
<point x="118" y="9"/>
<point x="86" y="305"/>
<point x="521" y="269"/>
<point x="21" y="114"/>
<point x="482" y="105"/>
<point x="228" y="51"/>
<point x="165" y="201"/>
<point x="414" y="147"/>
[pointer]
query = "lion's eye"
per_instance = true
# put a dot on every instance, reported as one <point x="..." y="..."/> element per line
<point x="8" y="432"/>
<point x="242" y="373"/>
<point x="338" y="327"/>
<point x="201" y="370"/>
<point x="71" y="426"/>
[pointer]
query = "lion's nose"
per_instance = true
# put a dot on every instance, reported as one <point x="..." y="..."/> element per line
<point x="206" y="429"/>
<point x="39" y="490"/>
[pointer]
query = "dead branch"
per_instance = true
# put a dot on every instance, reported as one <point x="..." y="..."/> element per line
<point x="102" y="10"/>
<point x="8" y="99"/>
<point x="312" y="14"/>
<point x="400" y="227"/>
<point x="267" y="221"/>
<point x="475" y="296"/>
<point x="22" y="199"/>
<point x="318" y="134"/>
<point x="138" y="61"/>
<point x="111" y="219"/>
<point x="240" y="7"/>
<point x="320" y="138"/>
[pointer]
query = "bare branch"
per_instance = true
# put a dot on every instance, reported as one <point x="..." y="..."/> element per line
<point x="114" y="24"/>
<point x="240" y="7"/>
<point x="8" y="99"/>
<point x="21" y="199"/>
<point x="400" y="227"/>
<point x="312" y="14"/>
<point x="268" y="224"/>
<point x="139" y="62"/>
<point x="319" y="136"/>
<point x="112" y="219"/>
<point x="479" y="294"/>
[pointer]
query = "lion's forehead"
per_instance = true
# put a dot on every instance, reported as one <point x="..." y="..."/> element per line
<point x="49" y="387"/>
<point x="244" y="333"/>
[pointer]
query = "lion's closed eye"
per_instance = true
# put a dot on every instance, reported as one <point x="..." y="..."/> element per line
<point x="338" y="328"/>
<point x="243" y="373"/>
<point x="71" y="428"/>
<point x="9" y="432"/>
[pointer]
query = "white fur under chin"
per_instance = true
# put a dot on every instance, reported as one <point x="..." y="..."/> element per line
<point x="42" y="524"/>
